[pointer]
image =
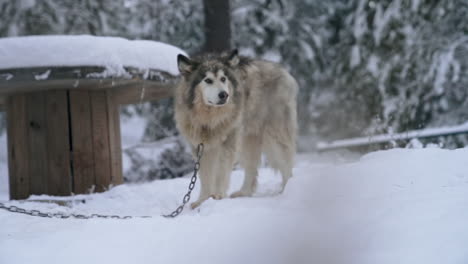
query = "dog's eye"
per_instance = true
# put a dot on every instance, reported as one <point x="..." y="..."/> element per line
<point x="208" y="81"/>
<point x="223" y="79"/>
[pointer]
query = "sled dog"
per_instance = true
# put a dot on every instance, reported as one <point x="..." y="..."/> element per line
<point x="238" y="108"/>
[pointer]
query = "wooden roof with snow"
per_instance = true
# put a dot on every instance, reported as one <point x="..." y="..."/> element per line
<point x="34" y="63"/>
<point x="62" y="96"/>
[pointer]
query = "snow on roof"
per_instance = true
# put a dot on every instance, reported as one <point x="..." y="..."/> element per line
<point x="113" y="53"/>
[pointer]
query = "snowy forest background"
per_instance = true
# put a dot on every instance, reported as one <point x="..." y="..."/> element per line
<point x="365" y="67"/>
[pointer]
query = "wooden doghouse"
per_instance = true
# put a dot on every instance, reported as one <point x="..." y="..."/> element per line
<point x="63" y="125"/>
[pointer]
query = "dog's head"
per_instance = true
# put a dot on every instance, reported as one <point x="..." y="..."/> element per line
<point x="210" y="77"/>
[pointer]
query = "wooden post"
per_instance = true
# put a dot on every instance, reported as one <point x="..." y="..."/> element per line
<point x="62" y="142"/>
<point x="38" y="144"/>
<point x="18" y="154"/>
<point x="82" y="141"/>
<point x="59" y="177"/>
<point x="36" y="129"/>
<point x="217" y="25"/>
<point x="96" y="146"/>
<point x="113" y="117"/>
<point x="100" y="133"/>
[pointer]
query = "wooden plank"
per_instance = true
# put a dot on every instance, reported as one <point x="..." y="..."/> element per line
<point x="44" y="74"/>
<point x="85" y="77"/>
<point x="18" y="155"/>
<point x="90" y="84"/>
<point x="75" y="84"/>
<point x="2" y="103"/>
<point x="101" y="145"/>
<point x="58" y="143"/>
<point x="82" y="141"/>
<point x="142" y="92"/>
<point x="114" y="140"/>
<point x="36" y="140"/>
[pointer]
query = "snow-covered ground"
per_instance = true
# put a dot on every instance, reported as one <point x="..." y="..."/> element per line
<point x="394" y="206"/>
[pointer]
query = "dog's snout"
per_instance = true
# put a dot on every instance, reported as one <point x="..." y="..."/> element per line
<point x="223" y="95"/>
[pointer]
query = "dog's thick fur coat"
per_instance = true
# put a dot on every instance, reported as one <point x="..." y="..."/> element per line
<point x="254" y="114"/>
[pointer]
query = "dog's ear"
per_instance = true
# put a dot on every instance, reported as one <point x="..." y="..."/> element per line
<point x="233" y="58"/>
<point x="186" y="66"/>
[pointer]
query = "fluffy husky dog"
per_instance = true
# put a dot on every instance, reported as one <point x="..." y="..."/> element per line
<point x="238" y="108"/>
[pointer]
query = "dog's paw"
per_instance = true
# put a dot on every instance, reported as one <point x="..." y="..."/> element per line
<point x="239" y="194"/>
<point x="218" y="196"/>
<point x="195" y="204"/>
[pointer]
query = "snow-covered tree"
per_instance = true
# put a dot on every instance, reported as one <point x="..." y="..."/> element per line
<point x="364" y="66"/>
<point x="402" y="64"/>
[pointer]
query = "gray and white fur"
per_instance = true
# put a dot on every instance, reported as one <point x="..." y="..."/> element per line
<point x="238" y="108"/>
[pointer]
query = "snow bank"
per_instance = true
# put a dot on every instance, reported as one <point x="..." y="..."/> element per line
<point x="110" y="52"/>
<point x="396" y="206"/>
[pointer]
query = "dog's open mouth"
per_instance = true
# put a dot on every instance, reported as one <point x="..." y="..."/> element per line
<point x="218" y="104"/>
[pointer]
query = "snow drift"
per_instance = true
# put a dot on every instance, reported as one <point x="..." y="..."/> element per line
<point x="394" y="206"/>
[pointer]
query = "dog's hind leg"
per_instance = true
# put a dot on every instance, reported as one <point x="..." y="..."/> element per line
<point x="250" y="159"/>
<point x="280" y="156"/>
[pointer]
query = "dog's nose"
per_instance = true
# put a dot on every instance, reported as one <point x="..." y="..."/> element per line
<point x="223" y="95"/>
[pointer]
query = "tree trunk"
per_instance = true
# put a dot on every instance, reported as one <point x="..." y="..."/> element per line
<point x="217" y="25"/>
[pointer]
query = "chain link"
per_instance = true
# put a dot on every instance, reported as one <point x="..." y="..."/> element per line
<point x="15" y="209"/>
<point x="193" y="180"/>
<point x="59" y="215"/>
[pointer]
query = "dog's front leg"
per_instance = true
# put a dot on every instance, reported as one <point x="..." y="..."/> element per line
<point x="250" y="160"/>
<point x="206" y="175"/>
<point x="225" y="163"/>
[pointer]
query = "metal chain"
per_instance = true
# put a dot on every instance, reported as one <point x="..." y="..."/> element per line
<point x="193" y="180"/>
<point x="16" y="209"/>
<point x="175" y="213"/>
